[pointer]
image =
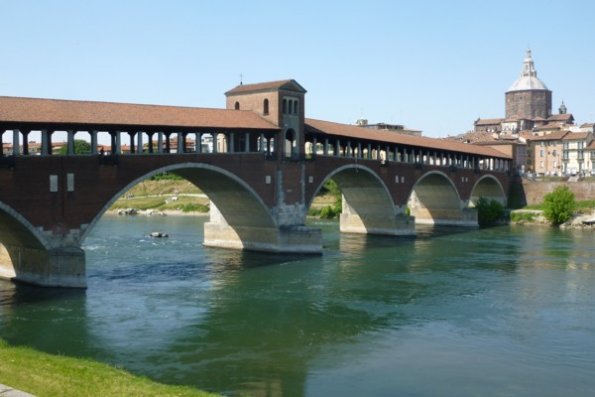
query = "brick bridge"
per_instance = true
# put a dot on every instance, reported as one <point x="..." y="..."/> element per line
<point x="260" y="162"/>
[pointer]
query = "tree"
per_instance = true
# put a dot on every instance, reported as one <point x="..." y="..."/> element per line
<point x="80" y="147"/>
<point x="488" y="211"/>
<point x="559" y="205"/>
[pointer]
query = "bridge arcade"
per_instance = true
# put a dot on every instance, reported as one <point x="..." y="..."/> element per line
<point x="260" y="161"/>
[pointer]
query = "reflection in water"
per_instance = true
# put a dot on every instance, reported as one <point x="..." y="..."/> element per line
<point x="448" y="313"/>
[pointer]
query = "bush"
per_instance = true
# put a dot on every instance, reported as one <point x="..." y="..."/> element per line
<point x="559" y="205"/>
<point x="80" y="147"/>
<point x="489" y="212"/>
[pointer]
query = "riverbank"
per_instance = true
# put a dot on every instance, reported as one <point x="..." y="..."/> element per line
<point x="177" y="197"/>
<point x="44" y="374"/>
<point x="583" y="220"/>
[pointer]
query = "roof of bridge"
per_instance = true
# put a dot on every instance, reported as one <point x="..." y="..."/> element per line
<point x="352" y="131"/>
<point x="78" y="113"/>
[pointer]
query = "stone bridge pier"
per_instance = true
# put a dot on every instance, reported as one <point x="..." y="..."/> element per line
<point x="46" y="259"/>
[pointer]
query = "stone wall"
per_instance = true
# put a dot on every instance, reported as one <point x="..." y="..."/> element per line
<point x="535" y="190"/>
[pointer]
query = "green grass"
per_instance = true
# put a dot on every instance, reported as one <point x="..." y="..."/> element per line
<point x="585" y="205"/>
<point x="44" y="374"/>
<point x="522" y="216"/>
<point x="183" y="203"/>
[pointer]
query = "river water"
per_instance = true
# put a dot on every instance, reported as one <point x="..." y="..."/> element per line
<point x="508" y="311"/>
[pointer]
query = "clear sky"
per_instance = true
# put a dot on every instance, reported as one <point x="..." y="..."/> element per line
<point x="431" y="65"/>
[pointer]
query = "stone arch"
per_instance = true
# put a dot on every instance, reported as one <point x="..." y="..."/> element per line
<point x="489" y="187"/>
<point x="233" y="202"/>
<point x="435" y="200"/>
<point x="18" y="240"/>
<point x="367" y="205"/>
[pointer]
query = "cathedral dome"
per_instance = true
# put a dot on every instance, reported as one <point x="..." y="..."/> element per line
<point x="528" y="79"/>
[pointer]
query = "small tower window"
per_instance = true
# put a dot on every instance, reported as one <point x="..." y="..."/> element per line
<point x="284" y="106"/>
<point x="265" y="107"/>
<point x="237" y="106"/>
<point x="295" y="107"/>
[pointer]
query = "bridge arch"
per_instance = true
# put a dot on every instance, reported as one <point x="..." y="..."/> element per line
<point x="367" y="205"/>
<point x="234" y="203"/>
<point x="435" y="200"/>
<point x="22" y="246"/>
<point x="488" y="187"/>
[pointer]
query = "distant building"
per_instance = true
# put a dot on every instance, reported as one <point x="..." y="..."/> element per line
<point x="399" y="128"/>
<point x="528" y="105"/>
<point x="544" y="156"/>
<point x="538" y="141"/>
<point x="575" y="157"/>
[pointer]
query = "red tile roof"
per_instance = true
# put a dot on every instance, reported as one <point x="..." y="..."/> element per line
<point x="488" y="121"/>
<point x="554" y="136"/>
<point x="352" y="131"/>
<point x="268" y="86"/>
<point x="591" y="145"/>
<point x="575" y="136"/>
<point x="58" y="111"/>
<point x="561" y="117"/>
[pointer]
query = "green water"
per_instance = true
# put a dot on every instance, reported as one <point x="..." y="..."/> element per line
<point x="507" y="311"/>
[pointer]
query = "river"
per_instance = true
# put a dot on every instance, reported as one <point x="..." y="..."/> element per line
<point x="507" y="311"/>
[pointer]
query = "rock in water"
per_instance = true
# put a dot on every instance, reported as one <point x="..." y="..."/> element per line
<point x="158" y="234"/>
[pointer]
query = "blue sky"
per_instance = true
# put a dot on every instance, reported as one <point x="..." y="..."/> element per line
<point x="431" y="65"/>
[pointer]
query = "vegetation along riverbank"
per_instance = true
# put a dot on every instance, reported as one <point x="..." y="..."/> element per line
<point x="168" y="194"/>
<point x="45" y="374"/>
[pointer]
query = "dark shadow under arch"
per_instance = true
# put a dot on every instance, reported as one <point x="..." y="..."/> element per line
<point x="488" y="187"/>
<point x="434" y="199"/>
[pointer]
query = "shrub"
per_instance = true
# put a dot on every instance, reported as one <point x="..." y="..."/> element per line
<point x="327" y="213"/>
<point x="489" y="211"/>
<point x="559" y="205"/>
<point x="80" y="147"/>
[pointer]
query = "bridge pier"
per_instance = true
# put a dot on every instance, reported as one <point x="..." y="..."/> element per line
<point x="57" y="267"/>
<point x="255" y="236"/>
<point x="399" y="224"/>
<point x="466" y="217"/>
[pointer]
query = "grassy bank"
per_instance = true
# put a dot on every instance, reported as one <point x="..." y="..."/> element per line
<point x="164" y="195"/>
<point x="48" y="375"/>
<point x="584" y="206"/>
<point x="181" y="195"/>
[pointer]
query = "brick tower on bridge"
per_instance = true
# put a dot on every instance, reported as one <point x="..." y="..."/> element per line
<point x="281" y="103"/>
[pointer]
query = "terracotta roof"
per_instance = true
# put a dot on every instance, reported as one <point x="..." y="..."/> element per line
<point x="474" y="137"/>
<point x="554" y="136"/>
<point x="561" y="117"/>
<point x="352" y="131"/>
<point x="58" y="111"/>
<point x="488" y="121"/>
<point x="290" y="84"/>
<point x="591" y="145"/>
<point x="575" y="136"/>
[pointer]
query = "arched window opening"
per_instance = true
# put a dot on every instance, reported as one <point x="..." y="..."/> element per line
<point x="284" y="106"/>
<point x="265" y="107"/>
<point x="290" y="143"/>
<point x="295" y="107"/>
<point x="237" y="106"/>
